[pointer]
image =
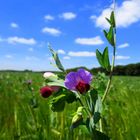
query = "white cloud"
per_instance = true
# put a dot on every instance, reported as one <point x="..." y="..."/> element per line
<point x="14" y="25"/>
<point x="82" y="54"/>
<point x="9" y="56"/>
<point x="66" y="57"/>
<point x="31" y="49"/>
<point x="120" y="57"/>
<point x="48" y="17"/>
<point x="68" y="15"/>
<point x="89" y="41"/>
<point x="126" y="14"/>
<point x="61" y="51"/>
<point x="125" y="45"/>
<point x="51" y="31"/>
<point x="21" y="40"/>
<point x="93" y="17"/>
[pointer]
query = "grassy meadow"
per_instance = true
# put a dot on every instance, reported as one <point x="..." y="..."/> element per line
<point x="25" y="115"/>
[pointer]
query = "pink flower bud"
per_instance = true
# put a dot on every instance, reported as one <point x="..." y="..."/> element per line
<point x="47" y="91"/>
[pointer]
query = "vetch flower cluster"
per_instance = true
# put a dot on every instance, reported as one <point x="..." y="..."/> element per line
<point x="78" y="81"/>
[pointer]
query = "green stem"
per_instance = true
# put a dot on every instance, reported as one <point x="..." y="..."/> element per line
<point x="100" y="125"/>
<point x="84" y="107"/>
<point x="110" y="77"/>
<point x="82" y="104"/>
<point x="113" y="63"/>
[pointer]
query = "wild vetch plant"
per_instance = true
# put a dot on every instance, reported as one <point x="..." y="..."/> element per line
<point x="80" y="86"/>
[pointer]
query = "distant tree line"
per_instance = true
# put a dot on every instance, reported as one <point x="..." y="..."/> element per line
<point x="130" y="69"/>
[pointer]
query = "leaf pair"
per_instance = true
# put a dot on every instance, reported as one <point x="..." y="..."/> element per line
<point x="111" y="21"/>
<point x="110" y="34"/>
<point x="103" y="58"/>
<point x="96" y="108"/>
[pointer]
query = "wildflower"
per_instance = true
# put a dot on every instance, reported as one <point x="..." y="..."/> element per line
<point x="47" y="91"/>
<point x="29" y="82"/>
<point x="78" y="81"/>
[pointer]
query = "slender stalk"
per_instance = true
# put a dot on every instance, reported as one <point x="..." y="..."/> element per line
<point x="87" y="111"/>
<point x="82" y="104"/>
<point x="113" y="62"/>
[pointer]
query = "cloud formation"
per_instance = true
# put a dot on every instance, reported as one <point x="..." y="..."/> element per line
<point x="81" y="54"/>
<point x="51" y="31"/>
<point x="21" y="40"/>
<point x="125" y="45"/>
<point x="120" y="57"/>
<point x="68" y="15"/>
<point x="48" y="17"/>
<point x="66" y="57"/>
<point x="89" y="41"/>
<point x="61" y="51"/>
<point x="126" y="14"/>
<point x="14" y="25"/>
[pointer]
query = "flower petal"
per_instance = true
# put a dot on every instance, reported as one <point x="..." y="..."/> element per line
<point x="70" y="80"/>
<point x="85" y="76"/>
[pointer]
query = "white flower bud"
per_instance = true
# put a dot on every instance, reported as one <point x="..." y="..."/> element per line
<point x="48" y="75"/>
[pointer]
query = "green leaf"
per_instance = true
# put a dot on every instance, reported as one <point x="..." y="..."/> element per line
<point x="96" y="117"/>
<point x="90" y="124"/>
<point x="110" y="36"/>
<point x="108" y="21"/>
<point x="98" y="110"/>
<point x="106" y="59"/>
<point x="112" y="19"/>
<point x="80" y="110"/>
<point x="56" y="59"/>
<point x="56" y="83"/>
<point x="99" y="58"/>
<point x="98" y="105"/>
<point x="58" y="103"/>
<point x="105" y="33"/>
<point x="94" y="95"/>
<point x="97" y="135"/>
<point x="70" y="97"/>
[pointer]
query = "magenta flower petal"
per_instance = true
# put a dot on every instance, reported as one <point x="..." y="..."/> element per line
<point x="85" y="76"/>
<point x="70" y="80"/>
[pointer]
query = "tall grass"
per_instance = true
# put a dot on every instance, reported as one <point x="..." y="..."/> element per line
<point x="20" y="119"/>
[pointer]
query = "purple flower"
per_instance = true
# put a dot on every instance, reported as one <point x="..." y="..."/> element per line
<point x="78" y="81"/>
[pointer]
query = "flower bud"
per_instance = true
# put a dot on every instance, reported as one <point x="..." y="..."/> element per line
<point x="46" y="91"/>
<point x="49" y="74"/>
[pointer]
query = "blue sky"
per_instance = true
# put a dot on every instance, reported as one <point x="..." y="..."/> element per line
<point x="74" y="29"/>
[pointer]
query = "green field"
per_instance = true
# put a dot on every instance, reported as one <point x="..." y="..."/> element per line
<point x="24" y="119"/>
